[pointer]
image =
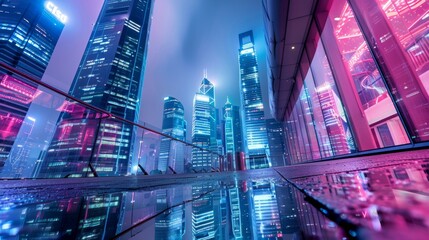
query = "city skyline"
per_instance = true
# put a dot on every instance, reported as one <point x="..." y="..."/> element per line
<point x="189" y="18"/>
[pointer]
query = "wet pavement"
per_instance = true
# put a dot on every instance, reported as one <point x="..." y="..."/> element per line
<point x="376" y="201"/>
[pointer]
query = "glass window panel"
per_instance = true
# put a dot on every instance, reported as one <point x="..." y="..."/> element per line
<point x="331" y="106"/>
<point x="398" y="34"/>
<point x="342" y="35"/>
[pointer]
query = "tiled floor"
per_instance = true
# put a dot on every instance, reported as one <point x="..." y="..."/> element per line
<point x="374" y="197"/>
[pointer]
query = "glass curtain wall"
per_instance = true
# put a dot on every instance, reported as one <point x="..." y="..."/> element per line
<point x="362" y="84"/>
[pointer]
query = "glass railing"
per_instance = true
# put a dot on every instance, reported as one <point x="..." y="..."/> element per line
<point x="46" y="133"/>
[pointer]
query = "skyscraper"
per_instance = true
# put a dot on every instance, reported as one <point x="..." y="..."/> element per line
<point x="110" y="77"/>
<point x="233" y="134"/>
<point x="276" y="142"/>
<point x="252" y="106"/>
<point x="204" y="125"/>
<point x="29" y="31"/>
<point x="171" y="153"/>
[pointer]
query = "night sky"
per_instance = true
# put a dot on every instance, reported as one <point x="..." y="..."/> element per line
<point x="187" y="36"/>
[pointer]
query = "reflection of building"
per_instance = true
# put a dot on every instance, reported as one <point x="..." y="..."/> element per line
<point x="335" y="120"/>
<point x="204" y="125"/>
<point x="276" y="142"/>
<point x="96" y="217"/>
<point x="205" y="212"/>
<point x="266" y="213"/>
<point x="109" y="77"/>
<point x="233" y="135"/>
<point x="312" y="223"/>
<point x="28" y="35"/>
<point x="170" y="224"/>
<point x="240" y="214"/>
<point x="171" y="153"/>
<point x="252" y="105"/>
<point x="288" y="211"/>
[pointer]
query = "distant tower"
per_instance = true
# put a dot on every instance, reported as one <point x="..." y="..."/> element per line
<point x="276" y="142"/>
<point x="204" y="125"/>
<point x="110" y="77"/>
<point x="233" y="135"/>
<point x="252" y="105"/>
<point x="171" y="153"/>
<point x="29" y="32"/>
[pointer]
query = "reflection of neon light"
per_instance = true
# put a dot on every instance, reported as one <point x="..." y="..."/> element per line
<point x="31" y="119"/>
<point x="250" y="50"/>
<point x="22" y="92"/>
<point x="256" y="146"/>
<point x="323" y="87"/>
<point x="365" y="85"/>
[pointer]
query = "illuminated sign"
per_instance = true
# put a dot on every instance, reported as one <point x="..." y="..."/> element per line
<point x="202" y="98"/>
<point x="56" y="12"/>
<point x="246" y="51"/>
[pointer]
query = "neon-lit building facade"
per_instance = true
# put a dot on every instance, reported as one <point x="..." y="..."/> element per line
<point x="29" y="32"/>
<point x="254" y="128"/>
<point x="171" y="153"/>
<point x="359" y="84"/>
<point x="233" y="134"/>
<point x="110" y="77"/>
<point x="204" y="125"/>
<point x="276" y="142"/>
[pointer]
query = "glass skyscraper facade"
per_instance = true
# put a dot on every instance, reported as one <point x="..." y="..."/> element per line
<point x="276" y="142"/>
<point x="233" y="135"/>
<point x="172" y="153"/>
<point x="256" y="140"/>
<point x="204" y="126"/>
<point x="360" y="84"/>
<point x="170" y="224"/>
<point x="29" y="32"/>
<point x="110" y="77"/>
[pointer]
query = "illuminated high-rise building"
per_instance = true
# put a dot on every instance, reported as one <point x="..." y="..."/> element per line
<point x="252" y="106"/>
<point x="276" y="142"/>
<point x="110" y="77"/>
<point x="204" y="126"/>
<point x="233" y="134"/>
<point x="29" y="31"/>
<point x="171" y="153"/>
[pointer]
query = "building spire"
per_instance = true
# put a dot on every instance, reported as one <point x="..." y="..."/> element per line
<point x="205" y="72"/>
<point x="227" y="100"/>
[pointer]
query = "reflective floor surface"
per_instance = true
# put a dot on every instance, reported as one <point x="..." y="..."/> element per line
<point x="383" y="202"/>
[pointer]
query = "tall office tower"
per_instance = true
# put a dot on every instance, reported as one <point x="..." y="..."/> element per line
<point x="171" y="153"/>
<point x="252" y="105"/>
<point x="276" y="142"/>
<point x="204" y="126"/>
<point x="110" y="77"/>
<point x="233" y="134"/>
<point x="29" y="31"/>
<point x="219" y="132"/>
